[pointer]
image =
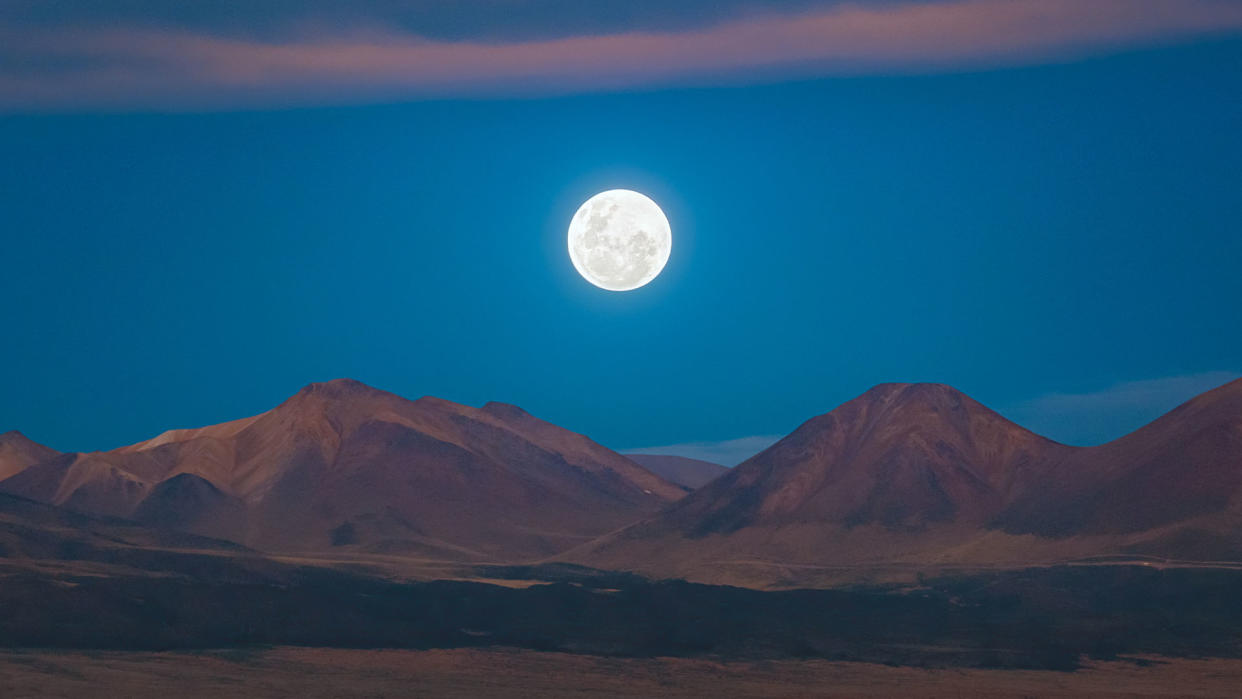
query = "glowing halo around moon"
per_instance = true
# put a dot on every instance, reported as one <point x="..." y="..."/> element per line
<point x="619" y="240"/>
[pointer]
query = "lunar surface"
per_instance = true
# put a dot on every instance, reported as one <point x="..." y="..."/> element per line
<point x="619" y="240"/>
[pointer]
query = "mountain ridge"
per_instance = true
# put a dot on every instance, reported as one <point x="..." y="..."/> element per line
<point x="923" y="475"/>
<point x="342" y="456"/>
<point x="903" y="474"/>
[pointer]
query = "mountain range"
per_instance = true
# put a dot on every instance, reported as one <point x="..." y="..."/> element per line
<point x="906" y="476"/>
<point x="921" y="475"/>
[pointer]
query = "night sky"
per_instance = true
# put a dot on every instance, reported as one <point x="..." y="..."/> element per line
<point x="1056" y="232"/>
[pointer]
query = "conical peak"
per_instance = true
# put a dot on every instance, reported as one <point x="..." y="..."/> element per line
<point x="341" y="394"/>
<point x="898" y="413"/>
<point x="890" y="403"/>
<point x="338" y="388"/>
<point x="920" y="393"/>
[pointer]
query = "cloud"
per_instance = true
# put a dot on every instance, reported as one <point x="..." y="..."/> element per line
<point x="727" y="453"/>
<point x="490" y="20"/>
<point x="127" y="64"/>
<point x="1094" y="418"/>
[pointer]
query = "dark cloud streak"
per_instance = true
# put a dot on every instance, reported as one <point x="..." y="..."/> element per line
<point x="134" y="56"/>
<point x="490" y="20"/>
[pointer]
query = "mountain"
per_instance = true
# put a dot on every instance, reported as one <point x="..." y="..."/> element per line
<point x="341" y="464"/>
<point x="921" y="475"/>
<point x="18" y="452"/>
<point x="691" y="473"/>
<point x="1172" y="488"/>
<point x="901" y="456"/>
<point x="905" y="477"/>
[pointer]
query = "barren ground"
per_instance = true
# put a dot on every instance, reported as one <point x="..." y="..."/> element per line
<point x="320" y="672"/>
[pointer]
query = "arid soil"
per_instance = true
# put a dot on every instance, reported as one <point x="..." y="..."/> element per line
<point x="326" y="672"/>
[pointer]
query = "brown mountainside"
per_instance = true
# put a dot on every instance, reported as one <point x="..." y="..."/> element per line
<point x="1174" y="487"/>
<point x="903" y="456"/>
<point x="908" y="476"/>
<point x="343" y="464"/>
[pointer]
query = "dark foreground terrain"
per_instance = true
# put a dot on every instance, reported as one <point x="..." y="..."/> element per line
<point x="504" y="673"/>
<point x="1040" y="618"/>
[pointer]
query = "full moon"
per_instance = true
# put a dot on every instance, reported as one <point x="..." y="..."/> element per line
<point x="619" y="240"/>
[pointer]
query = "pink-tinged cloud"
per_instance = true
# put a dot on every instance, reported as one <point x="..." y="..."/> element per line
<point x="125" y="68"/>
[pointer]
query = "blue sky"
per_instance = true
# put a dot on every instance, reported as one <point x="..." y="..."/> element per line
<point x="1026" y="233"/>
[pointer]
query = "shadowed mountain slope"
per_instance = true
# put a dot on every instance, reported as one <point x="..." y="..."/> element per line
<point x="34" y="531"/>
<point x="343" y="464"/>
